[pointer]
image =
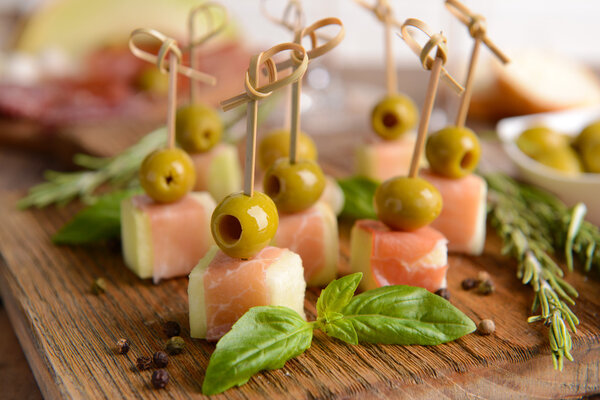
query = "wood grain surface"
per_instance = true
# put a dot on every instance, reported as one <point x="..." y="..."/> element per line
<point x="69" y="334"/>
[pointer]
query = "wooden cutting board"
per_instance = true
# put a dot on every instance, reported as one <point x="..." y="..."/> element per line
<point x="69" y="334"/>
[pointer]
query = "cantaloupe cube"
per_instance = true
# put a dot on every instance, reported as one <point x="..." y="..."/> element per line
<point x="218" y="171"/>
<point x="165" y="240"/>
<point x="386" y="257"/>
<point x="221" y="288"/>
<point x="313" y="235"/>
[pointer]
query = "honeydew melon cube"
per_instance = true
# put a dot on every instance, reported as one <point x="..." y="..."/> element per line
<point x="218" y="171"/>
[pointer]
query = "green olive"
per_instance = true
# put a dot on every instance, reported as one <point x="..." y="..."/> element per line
<point x="591" y="157"/>
<point x="198" y="128"/>
<point x="393" y="116"/>
<point x="294" y="187"/>
<point x="276" y="145"/>
<point x="152" y="80"/>
<point x="243" y="225"/>
<point x="563" y="159"/>
<point x="453" y="152"/>
<point x="540" y="139"/>
<point x="167" y="175"/>
<point x="404" y="203"/>
<point x="590" y="134"/>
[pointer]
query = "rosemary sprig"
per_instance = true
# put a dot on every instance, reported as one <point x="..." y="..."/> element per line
<point x="533" y="225"/>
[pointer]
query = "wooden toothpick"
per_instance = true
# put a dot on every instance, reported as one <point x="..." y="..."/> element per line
<point x="436" y="41"/>
<point x="253" y="94"/>
<point x="477" y="29"/>
<point x="168" y="48"/>
<point x="207" y="10"/>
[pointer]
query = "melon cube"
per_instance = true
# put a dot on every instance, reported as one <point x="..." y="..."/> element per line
<point x="384" y="159"/>
<point x="163" y="241"/>
<point x="387" y="257"/>
<point x="313" y="235"/>
<point x="221" y="288"/>
<point x="218" y="171"/>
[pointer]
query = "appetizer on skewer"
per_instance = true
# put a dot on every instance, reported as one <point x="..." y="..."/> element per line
<point x="401" y="248"/>
<point x="166" y="231"/>
<point x="393" y="118"/>
<point x="245" y="271"/>
<point x="306" y="226"/>
<point x="453" y="153"/>
<point x="199" y="127"/>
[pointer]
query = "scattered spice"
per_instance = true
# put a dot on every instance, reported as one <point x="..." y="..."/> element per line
<point x="469" y="283"/>
<point x="122" y="346"/>
<point x="444" y="293"/>
<point x="483" y="276"/>
<point x="143" y="363"/>
<point x="485" y="287"/>
<point x="486" y="327"/>
<point x="171" y="328"/>
<point x="98" y="286"/>
<point x="161" y="359"/>
<point x="160" y="378"/>
<point x="175" y="345"/>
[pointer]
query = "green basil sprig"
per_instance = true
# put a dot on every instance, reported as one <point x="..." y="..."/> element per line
<point x="266" y="337"/>
<point x="358" y="194"/>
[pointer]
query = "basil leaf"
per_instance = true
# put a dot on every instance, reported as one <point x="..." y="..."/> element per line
<point x="342" y="329"/>
<point x="405" y="315"/>
<point x="263" y="338"/>
<point x="337" y="294"/>
<point x="100" y="221"/>
<point x="358" y="193"/>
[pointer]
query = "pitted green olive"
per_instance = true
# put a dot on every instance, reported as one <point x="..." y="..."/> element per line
<point x="243" y="225"/>
<point x="407" y="204"/>
<point x="167" y="175"/>
<point x="394" y="116"/>
<point x="152" y="80"/>
<point x="537" y="140"/>
<point x="198" y="128"/>
<point x="294" y="187"/>
<point x="276" y="145"/>
<point x="453" y="152"/>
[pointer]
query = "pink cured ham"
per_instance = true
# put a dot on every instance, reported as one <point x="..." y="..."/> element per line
<point x="166" y="240"/>
<point x="386" y="257"/>
<point x="462" y="219"/>
<point x="218" y="171"/>
<point x="384" y="159"/>
<point x="313" y="235"/>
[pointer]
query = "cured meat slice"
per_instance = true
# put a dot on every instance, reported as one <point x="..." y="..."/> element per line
<point x="218" y="171"/>
<point x="386" y="257"/>
<point x="385" y="159"/>
<point x="313" y="235"/>
<point x="162" y="241"/>
<point x="222" y="288"/>
<point x="462" y="219"/>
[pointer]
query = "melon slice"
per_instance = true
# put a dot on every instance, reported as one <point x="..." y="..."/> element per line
<point x="163" y="241"/>
<point x="313" y="235"/>
<point x="462" y="219"/>
<point x="333" y="195"/>
<point x="218" y="171"/>
<point x="221" y="288"/>
<point x="384" y="159"/>
<point x="386" y="257"/>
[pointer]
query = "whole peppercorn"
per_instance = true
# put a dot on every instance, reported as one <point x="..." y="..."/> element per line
<point x="171" y="328"/>
<point x="175" y="345"/>
<point x="444" y="293"/>
<point x="143" y="363"/>
<point x="469" y="283"/>
<point x="122" y="346"/>
<point x="160" y="378"/>
<point x="98" y="286"/>
<point x="485" y="287"/>
<point x="486" y="327"/>
<point x="161" y="359"/>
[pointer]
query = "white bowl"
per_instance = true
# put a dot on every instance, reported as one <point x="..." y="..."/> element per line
<point x="584" y="188"/>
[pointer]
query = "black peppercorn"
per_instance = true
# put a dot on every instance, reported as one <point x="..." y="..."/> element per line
<point x="122" y="346"/>
<point x="175" y="345"/>
<point x="444" y="293"/>
<point x="485" y="287"/>
<point x="171" y="328"/>
<point x="160" y="378"/>
<point x="486" y="327"/>
<point x="161" y="359"/>
<point x="143" y="363"/>
<point x="469" y="283"/>
<point x="98" y="286"/>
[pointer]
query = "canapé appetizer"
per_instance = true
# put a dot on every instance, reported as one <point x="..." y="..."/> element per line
<point x="244" y="271"/>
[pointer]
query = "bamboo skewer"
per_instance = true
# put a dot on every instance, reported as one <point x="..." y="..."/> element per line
<point x="436" y="41"/>
<point x="172" y="100"/>
<point x="477" y="30"/>
<point x="251" y="126"/>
